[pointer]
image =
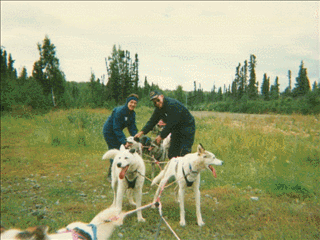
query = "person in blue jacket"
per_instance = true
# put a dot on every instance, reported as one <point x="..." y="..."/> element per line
<point x="122" y="117"/>
<point x="179" y="122"/>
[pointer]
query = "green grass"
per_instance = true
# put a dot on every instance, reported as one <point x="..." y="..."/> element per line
<point x="52" y="174"/>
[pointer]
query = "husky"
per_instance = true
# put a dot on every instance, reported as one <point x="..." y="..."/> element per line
<point x="152" y="149"/>
<point x="101" y="228"/>
<point x="186" y="171"/>
<point x="159" y="152"/>
<point x="127" y="174"/>
<point x="135" y="144"/>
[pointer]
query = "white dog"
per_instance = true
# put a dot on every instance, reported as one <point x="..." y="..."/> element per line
<point x="187" y="170"/>
<point x="128" y="171"/>
<point x="100" y="228"/>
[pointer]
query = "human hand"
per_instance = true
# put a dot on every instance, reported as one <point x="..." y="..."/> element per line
<point x="138" y="135"/>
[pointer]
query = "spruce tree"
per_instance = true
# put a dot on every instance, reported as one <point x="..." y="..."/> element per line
<point x="252" y="86"/>
<point x="275" y="90"/>
<point x="265" y="87"/>
<point x="303" y="85"/>
<point x="47" y="72"/>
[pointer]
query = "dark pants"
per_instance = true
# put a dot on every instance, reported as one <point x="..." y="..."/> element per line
<point x="110" y="139"/>
<point x="181" y="142"/>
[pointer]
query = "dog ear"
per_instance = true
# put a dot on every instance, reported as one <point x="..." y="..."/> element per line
<point x="136" y="139"/>
<point x="122" y="147"/>
<point x="132" y="150"/>
<point x="200" y="149"/>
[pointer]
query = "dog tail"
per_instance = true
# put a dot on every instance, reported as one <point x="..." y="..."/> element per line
<point x="110" y="154"/>
<point x="158" y="178"/>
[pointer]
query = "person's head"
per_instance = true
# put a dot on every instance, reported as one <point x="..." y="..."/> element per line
<point x="157" y="98"/>
<point x="132" y="101"/>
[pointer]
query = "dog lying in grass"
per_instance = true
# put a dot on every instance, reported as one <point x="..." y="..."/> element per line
<point x="186" y="171"/>
<point x="100" y="228"/>
<point x="128" y="171"/>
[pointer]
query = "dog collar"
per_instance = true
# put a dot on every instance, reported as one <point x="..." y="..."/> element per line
<point x="94" y="231"/>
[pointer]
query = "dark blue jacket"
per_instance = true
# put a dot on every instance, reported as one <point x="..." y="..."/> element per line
<point x="120" y="118"/>
<point x="176" y="116"/>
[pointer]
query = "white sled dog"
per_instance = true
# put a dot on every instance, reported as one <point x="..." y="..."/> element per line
<point x="100" y="228"/>
<point x="127" y="175"/>
<point x="186" y="171"/>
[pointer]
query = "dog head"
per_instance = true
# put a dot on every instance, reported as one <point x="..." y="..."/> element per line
<point x="146" y="144"/>
<point x="208" y="159"/>
<point x="145" y="141"/>
<point x="135" y="144"/>
<point x="124" y="160"/>
<point x="33" y="233"/>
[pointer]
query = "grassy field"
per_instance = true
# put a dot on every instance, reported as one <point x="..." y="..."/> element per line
<point x="52" y="174"/>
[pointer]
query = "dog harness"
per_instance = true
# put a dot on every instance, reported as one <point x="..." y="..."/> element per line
<point x="189" y="184"/>
<point x="80" y="234"/>
<point x="131" y="184"/>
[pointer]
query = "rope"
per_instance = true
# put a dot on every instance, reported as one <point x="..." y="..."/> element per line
<point x="170" y="228"/>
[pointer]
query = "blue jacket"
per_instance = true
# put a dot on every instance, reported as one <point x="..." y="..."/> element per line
<point x="120" y="118"/>
<point x="176" y="116"/>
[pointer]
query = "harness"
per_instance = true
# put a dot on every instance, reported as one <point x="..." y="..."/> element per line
<point x="189" y="184"/>
<point x="80" y="234"/>
<point x="131" y="184"/>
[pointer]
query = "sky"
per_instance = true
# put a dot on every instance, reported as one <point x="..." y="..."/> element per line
<point x="177" y="42"/>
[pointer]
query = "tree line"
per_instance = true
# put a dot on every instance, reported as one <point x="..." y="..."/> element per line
<point x="47" y="87"/>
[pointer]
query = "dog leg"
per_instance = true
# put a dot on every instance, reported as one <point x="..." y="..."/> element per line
<point x="130" y="197"/>
<point x="197" y="198"/>
<point x="120" y="193"/>
<point x="114" y="187"/>
<point x="138" y="194"/>
<point x="181" y="199"/>
<point x="161" y="184"/>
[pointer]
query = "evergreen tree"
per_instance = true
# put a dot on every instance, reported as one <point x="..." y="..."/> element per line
<point x="303" y="85"/>
<point x="123" y="75"/>
<point x="243" y="80"/>
<point x="47" y="72"/>
<point x="136" y="73"/>
<point x="315" y="87"/>
<point x="179" y="94"/>
<point x="287" y="91"/>
<point x="252" y="86"/>
<point x="275" y="89"/>
<point x="219" y="95"/>
<point x="265" y="87"/>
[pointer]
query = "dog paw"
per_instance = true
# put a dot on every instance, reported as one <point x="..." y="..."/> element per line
<point x="200" y="224"/>
<point x="182" y="223"/>
<point x="141" y="220"/>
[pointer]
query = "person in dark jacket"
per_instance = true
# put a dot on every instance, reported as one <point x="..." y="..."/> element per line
<point x="122" y="117"/>
<point x="179" y="122"/>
